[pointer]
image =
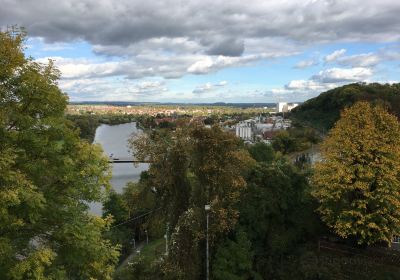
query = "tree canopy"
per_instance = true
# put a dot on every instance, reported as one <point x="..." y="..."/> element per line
<point x="324" y="110"/>
<point x="47" y="177"/>
<point x="191" y="167"/>
<point x="358" y="181"/>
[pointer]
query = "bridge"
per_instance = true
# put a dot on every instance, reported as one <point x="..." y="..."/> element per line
<point x="126" y="160"/>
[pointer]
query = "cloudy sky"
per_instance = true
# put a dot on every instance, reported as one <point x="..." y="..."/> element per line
<point x="210" y="50"/>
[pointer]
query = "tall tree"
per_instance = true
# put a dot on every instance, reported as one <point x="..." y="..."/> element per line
<point x="358" y="181"/>
<point x="167" y="178"/>
<point x="47" y="176"/>
<point x="191" y="167"/>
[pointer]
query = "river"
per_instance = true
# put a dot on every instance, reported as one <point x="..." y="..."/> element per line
<point x="114" y="140"/>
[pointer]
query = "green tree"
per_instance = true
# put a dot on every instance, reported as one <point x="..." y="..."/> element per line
<point x="284" y="142"/>
<point x="121" y="232"/>
<point x="115" y="205"/>
<point x="277" y="213"/>
<point x="47" y="177"/>
<point x="234" y="259"/>
<point x="262" y="152"/>
<point x="324" y="110"/>
<point x="358" y="181"/>
<point x="87" y="125"/>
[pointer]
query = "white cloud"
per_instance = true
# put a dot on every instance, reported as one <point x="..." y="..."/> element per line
<point x="334" y="56"/>
<point x="147" y="65"/>
<point x="338" y="75"/>
<point x="110" y="89"/>
<point x="222" y="83"/>
<point x="325" y="80"/>
<point x="207" y="87"/>
<point x="202" y="66"/>
<point x="361" y="60"/>
<point x="303" y="85"/>
<point x="210" y="64"/>
<point x="306" y="63"/>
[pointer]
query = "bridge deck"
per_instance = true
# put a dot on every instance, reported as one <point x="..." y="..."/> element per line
<point x="126" y="160"/>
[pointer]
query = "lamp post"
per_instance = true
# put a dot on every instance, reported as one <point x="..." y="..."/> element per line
<point x="166" y="240"/>
<point x="207" y="208"/>
<point x="147" y="236"/>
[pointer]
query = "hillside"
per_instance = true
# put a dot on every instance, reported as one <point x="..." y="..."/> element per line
<point x="324" y="110"/>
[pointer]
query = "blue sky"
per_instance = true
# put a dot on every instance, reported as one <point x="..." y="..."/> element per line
<point x="210" y="51"/>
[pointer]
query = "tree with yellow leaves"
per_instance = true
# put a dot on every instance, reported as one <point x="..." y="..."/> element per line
<point x="358" y="181"/>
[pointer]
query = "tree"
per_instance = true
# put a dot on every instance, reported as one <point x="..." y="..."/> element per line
<point x="323" y="111"/>
<point x="262" y="152"/>
<point x="47" y="177"/>
<point x="191" y="167"/>
<point x="358" y="182"/>
<point x="87" y="125"/>
<point x="277" y="214"/>
<point x="116" y="206"/>
<point x="167" y="175"/>
<point x="284" y="142"/>
<point x="234" y="259"/>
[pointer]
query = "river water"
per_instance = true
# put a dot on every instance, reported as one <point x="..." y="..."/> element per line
<point x="114" y="140"/>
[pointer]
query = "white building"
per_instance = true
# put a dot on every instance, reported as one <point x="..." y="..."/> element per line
<point x="244" y="132"/>
<point x="282" y="107"/>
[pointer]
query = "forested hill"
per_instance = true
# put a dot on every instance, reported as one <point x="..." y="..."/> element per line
<point x="324" y="110"/>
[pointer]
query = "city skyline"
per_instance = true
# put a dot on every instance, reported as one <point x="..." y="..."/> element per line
<point x="210" y="51"/>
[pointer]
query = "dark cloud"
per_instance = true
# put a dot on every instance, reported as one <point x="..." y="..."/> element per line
<point x="228" y="47"/>
<point x="172" y="38"/>
<point x="125" y="22"/>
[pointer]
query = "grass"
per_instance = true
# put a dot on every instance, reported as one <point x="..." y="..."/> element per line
<point x="153" y="250"/>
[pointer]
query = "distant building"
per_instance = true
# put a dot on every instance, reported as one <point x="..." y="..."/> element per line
<point x="244" y="132"/>
<point x="283" y="107"/>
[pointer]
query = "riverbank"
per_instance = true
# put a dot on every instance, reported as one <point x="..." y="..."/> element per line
<point x="88" y="123"/>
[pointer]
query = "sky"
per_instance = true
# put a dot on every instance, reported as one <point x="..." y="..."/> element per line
<point x="210" y="50"/>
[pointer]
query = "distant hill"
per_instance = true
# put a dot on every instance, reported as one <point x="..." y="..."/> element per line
<point x="324" y="110"/>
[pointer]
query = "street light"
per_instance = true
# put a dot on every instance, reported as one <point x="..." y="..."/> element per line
<point x="207" y="208"/>
<point x="166" y="240"/>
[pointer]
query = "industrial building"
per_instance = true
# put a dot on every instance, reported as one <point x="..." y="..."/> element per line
<point x="283" y="107"/>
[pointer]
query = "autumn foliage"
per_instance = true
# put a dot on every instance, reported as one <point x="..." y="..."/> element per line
<point x="358" y="181"/>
